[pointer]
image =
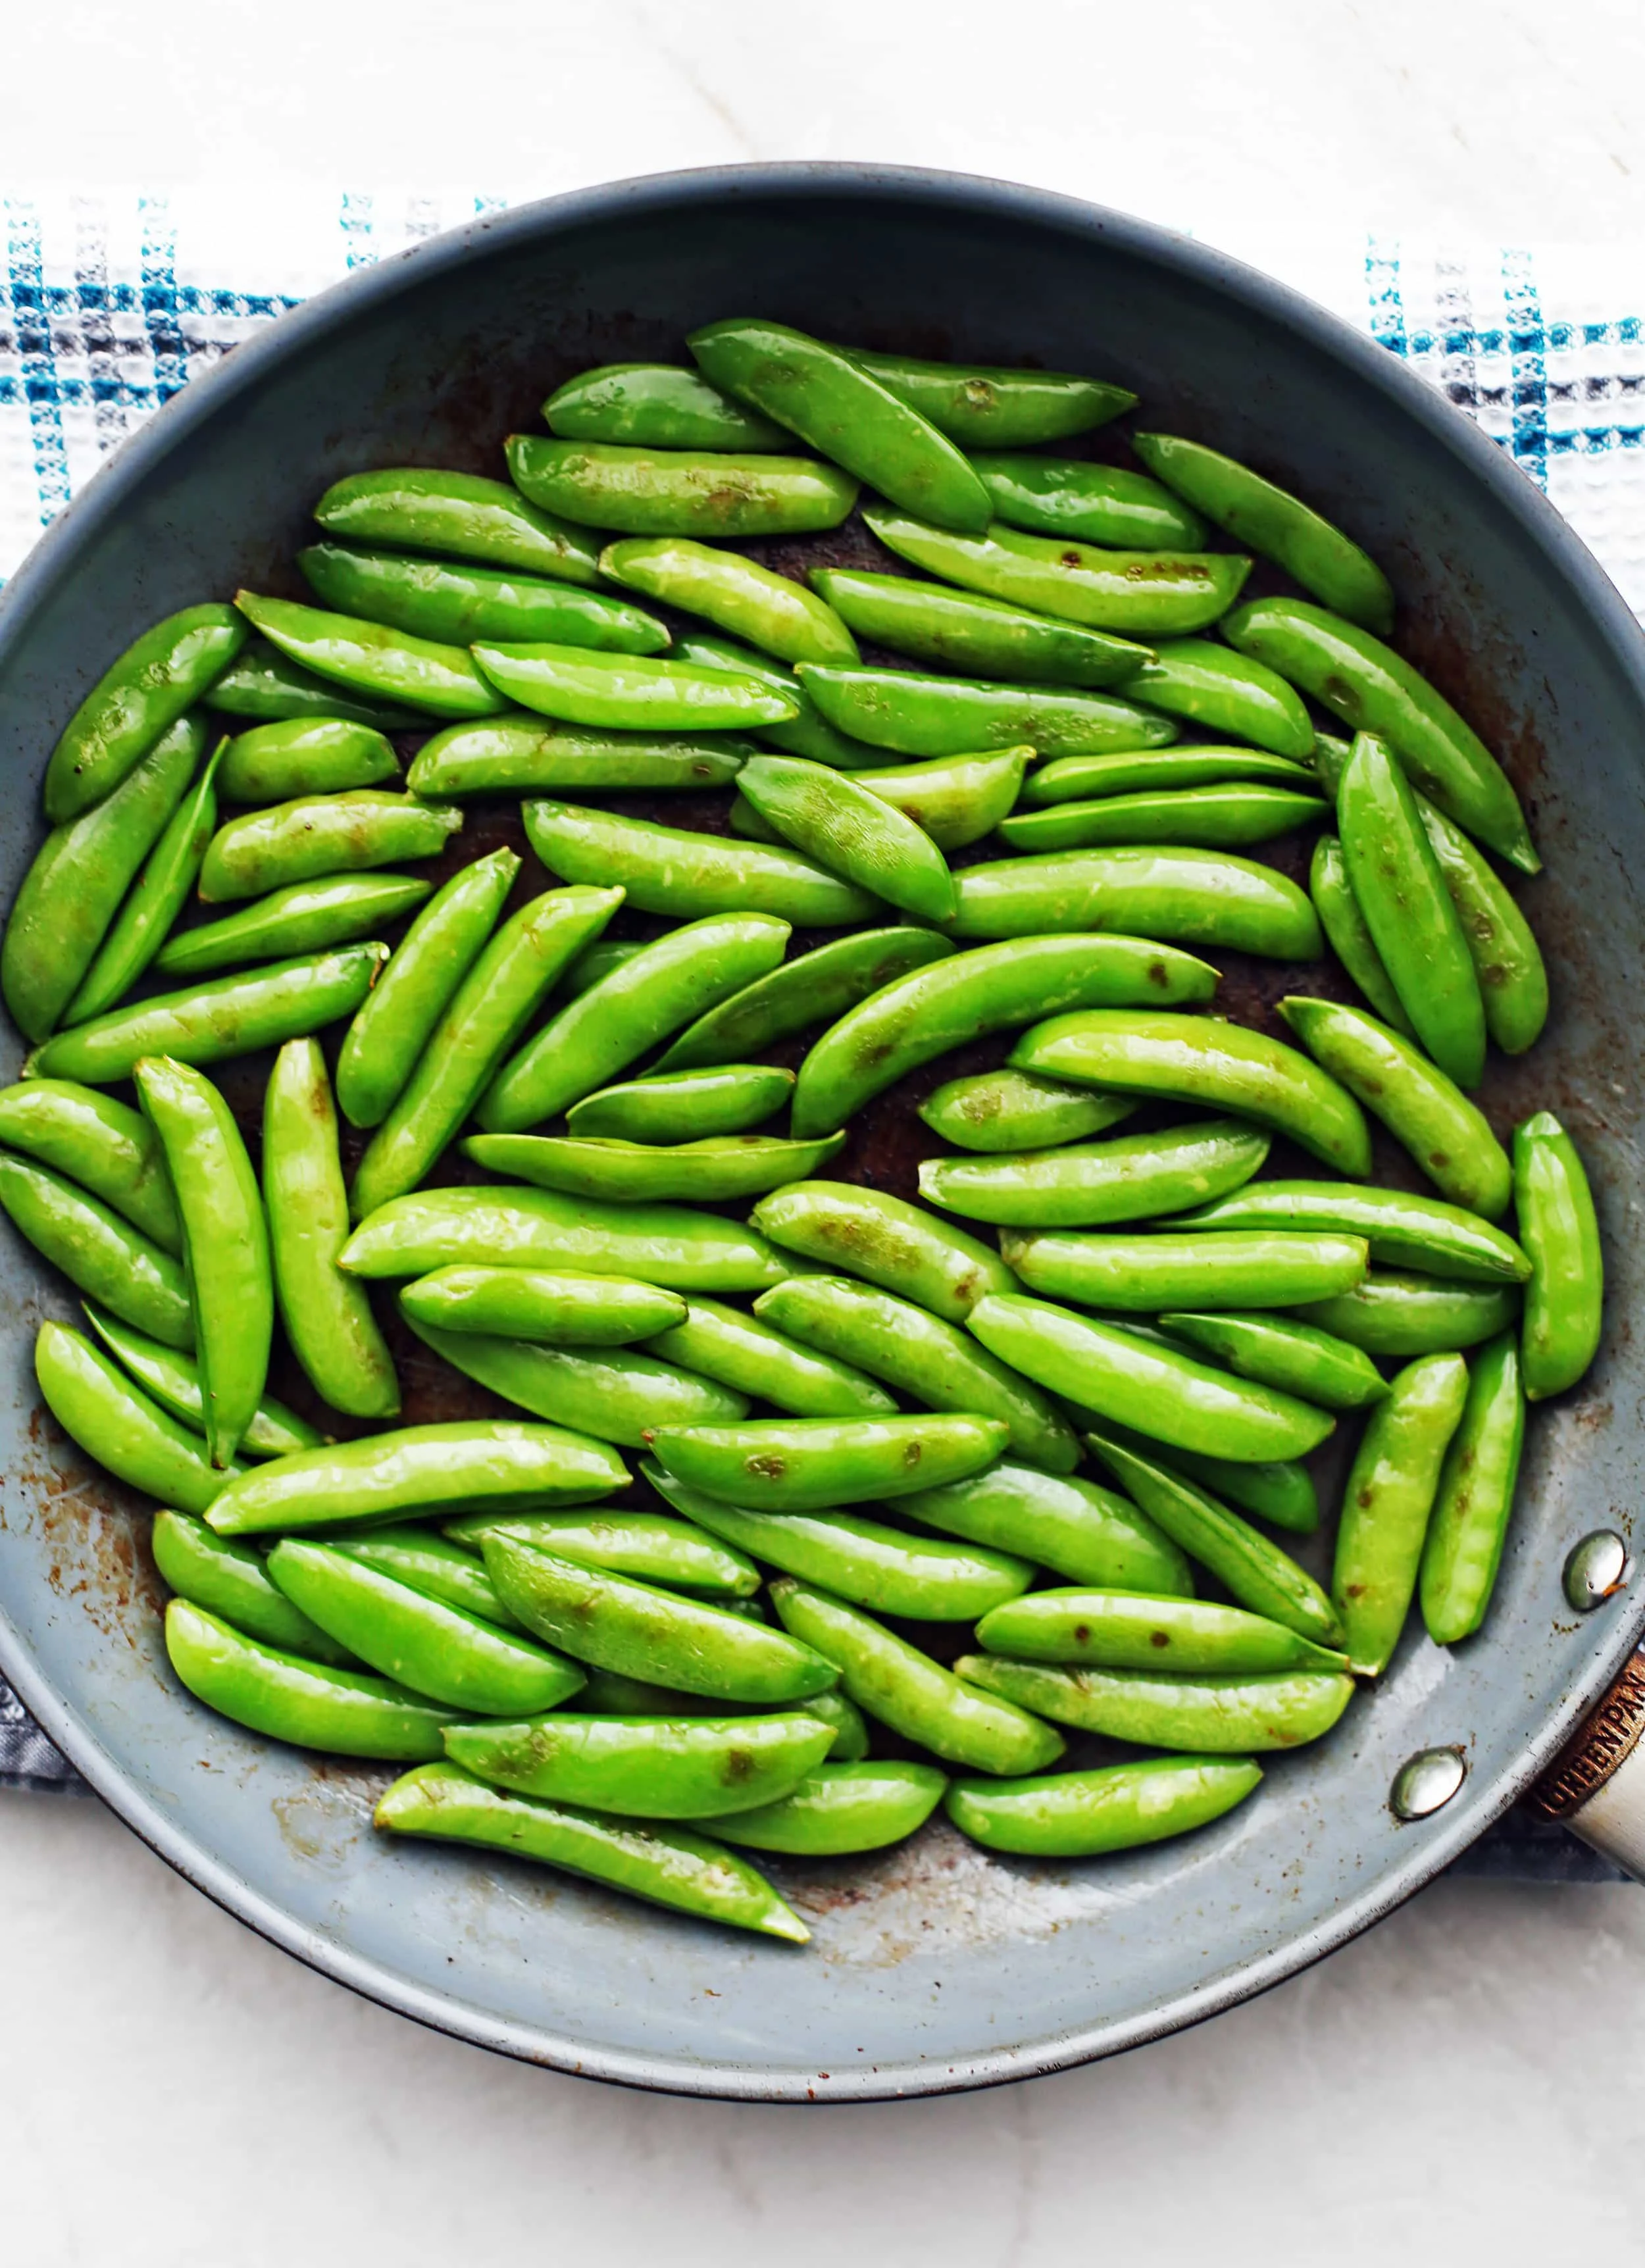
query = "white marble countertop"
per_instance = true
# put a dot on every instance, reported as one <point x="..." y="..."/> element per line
<point x="1460" y="2085"/>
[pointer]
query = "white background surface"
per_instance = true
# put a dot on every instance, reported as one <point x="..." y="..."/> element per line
<point x="1463" y="2086"/>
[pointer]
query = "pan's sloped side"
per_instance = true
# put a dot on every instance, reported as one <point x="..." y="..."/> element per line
<point x="934" y="1967"/>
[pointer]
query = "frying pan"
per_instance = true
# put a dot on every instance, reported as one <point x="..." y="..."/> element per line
<point x="934" y="1966"/>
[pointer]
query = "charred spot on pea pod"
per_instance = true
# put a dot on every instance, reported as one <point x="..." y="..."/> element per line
<point x="739" y="1766"/>
<point x="767" y="1465"/>
<point x="910" y="1454"/>
<point x="1159" y="1637"/>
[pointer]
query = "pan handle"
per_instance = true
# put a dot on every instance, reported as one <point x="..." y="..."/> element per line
<point x="1596" y="1785"/>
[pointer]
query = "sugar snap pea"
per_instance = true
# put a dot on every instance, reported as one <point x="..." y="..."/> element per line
<point x="1403" y="1230"/>
<point x="684" y="1106"/>
<point x="212" y="1022"/>
<point x="1196" y="1059"/>
<point x="1507" y="960"/>
<point x="722" y="493"/>
<point x="615" y="1394"/>
<point x="104" y="1145"/>
<point x="651" y="1546"/>
<point x="806" y="1464"/>
<point x="956" y="799"/>
<point x="1560" y="1230"/>
<point x="225" y="1242"/>
<point x="309" y="1704"/>
<point x="1076" y="1528"/>
<point x="414" y="509"/>
<point x="479" y="1024"/>
<point x="737" y="594"/>
<point x="1195" y="897"/>
<point x="1386" y="1505"/>
<point x="1277" y="1350"/>
<point x="265" y="685"/>
<point x="1093" y="1184"/>
<point x="946" y="1005"/>
<point x="1228" y="816"/>
<point x="1104" y="503"/>
<point x="653" y="405"/>
<point x="302" y="918"/>
<point x="534" y="1303"/>
<point x="922" y="1356"/>
<point x="853" y="832"/>
<point x="98" y="1250"/>
<point x="600" y="1031"/>
<point x="424" y="675"/>
<point x="668" y="1245"/>
<point x="124" y="1429"/>
<point x="842" y="1807"/>
<point x="433" y="1564"/>
<point x="1348" y="934"/>
<point x="1119" y="1629"/>
<point x="314" y="836"/>
<point x="1130" y="771"/>
<point x="863" y="1232"/>
<point x="495" y="1464"/>
<point x="1084" y="1814"/>
<point x="974" y="636"/>
<point x="173" y="1380"/>
<point x="629" y="692"/>
<point x="305" y="756"/>
<point x="1468" y="1526"/>
<point x="752" y="1354"/>
<point x="135" y="704"/>
<point x="666" y="1865"/>
<point x="610" y="1695"/>
<point x="806" y="734"/>
<point x="1278" y="1268"/>
<point x="154" y="901"/>
<point x="962" y="716"/>
<point x="1375" y="690"/>
<point x="532" y="755"/>
<point x="456" y="603"/>
<point x="983" y="407"/>
<point x="1235" y="1713"/>
<point x="1277" y="1490"/>
<point x="1005" y="1111"/>
<point x="667" y="870"/>
<point x="1420" y="1107"/>
<point x="73" y="890"/>
<point x="816" y="987"/>
<point x="229" y="1580"/>
<point x="649" y="1768"/>
<point x="1390" y="1312"/>
<point x="1223" y="692"/>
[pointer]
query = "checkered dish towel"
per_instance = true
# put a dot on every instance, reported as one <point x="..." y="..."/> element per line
<point x="111" y="301"/>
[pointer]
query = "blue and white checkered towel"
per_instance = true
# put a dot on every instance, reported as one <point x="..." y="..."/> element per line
<point x="111" y="301"/>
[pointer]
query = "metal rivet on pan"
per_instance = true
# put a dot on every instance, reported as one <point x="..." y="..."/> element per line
<point x="1597" y="1569"/>
<point x="1426" y="1782"/>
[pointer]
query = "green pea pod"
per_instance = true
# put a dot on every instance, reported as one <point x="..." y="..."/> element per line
<point x="456" y="604"/>
<point x="104" y="1145"/>
<point x="651" y="405"/>
<point x="674" y="1553"/>
<point x="1507" y="960"/>
<point x="628" y="692"/>
<point x="610" y="1393"/>
<point x="1134" y="771"/>
<point x="1005" y="1111"/>
<point x="1565" y="1297"/>
<point x="302" y="917"/>
<point x="264" y="685"/>
<point x="1136" y="594"/>
<point x="1246" y="1268"/>
<point x="173" y="1380"/>
<point x="1348" y="934"/>
<point x="309" y="1704"/>
<point x="1468" y="1526"/>
<point x="667" y="870"/>
<point x="478" y="1025"/>
<point x="628" y="1012"/>
<point x="868" y="1232"/>
<point x="135" y="704"/>
<point x="1403" y="1230"/>
<point x="1259" y="1576"/>
<point x="922" y="1356"/>
<point x="227" y="1580"/>
<point x="1399" y="888"/>
<point x="1069" y="1525"/>
<point x="434" y="1564"/>
<point x="316" y="836"/>
<point x="594" y="963"/>
<point x="213" y="1022"/>
<point x="617" y="1623"/>
<point x="844" y="412"/>
<point x="115" y="1422"/>
<point x="667" y="1245"/>
<point x="530" y="756"/>
<point x="328" y="1316"/>
<point x="846" y="828"/>
<point x="1194" y="897"/>
<point x="423" y="674"/>
<point x="949" y="1003"/>
<point x="1386" y="1504"/>
<point x="532" y="1303"/>
<point x="652" y="1769"/>
<point x="225" y="1242"/>
<point x="974" y="636"/>
<point x="1374" y="689"/>
<point x="99" y="1252"/>
<point x="962" y="716"/>
<point x="684" y="1106"/>
<point x="803" y="734"/>
<point x="442" y="1652"/>
<point x="1119" y="1629"/>
<point x="1212" y="1716"/>
<point x="1296" y="1357"/>
<point x="1199" y="1060"/>
<point x="987" y="407"/>
<point x="666" y="1867"/>
<point x="72" y="892"/>
<point x="816" y="987"/>
<point x="1074" y="495"/>
<point x="155" y="901"/>
<point x="1091" y="1185"/>
<point x="1229" y="816"/>
<point x="1277" y="1490"/>
<point x="956" y="799"/>
<point x="305" y="756"/>
<point x="1084" y="1814"/>
<point x="499" y="1465"/>
<point x="807" y="1380"/>
<point x="414" y="509"/>
<point x="1393" y="1314"/>
<point x="841" y="1808"/>
<point x="386" y="1039"/>
<point x="1223" y="692"/>
<point x="806" y="1464"/>
<point x="718" y="494"/>
<point x="896" y="1684"/>
<point x="772" y="612"/>
<point x="1425" y="1112"/>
